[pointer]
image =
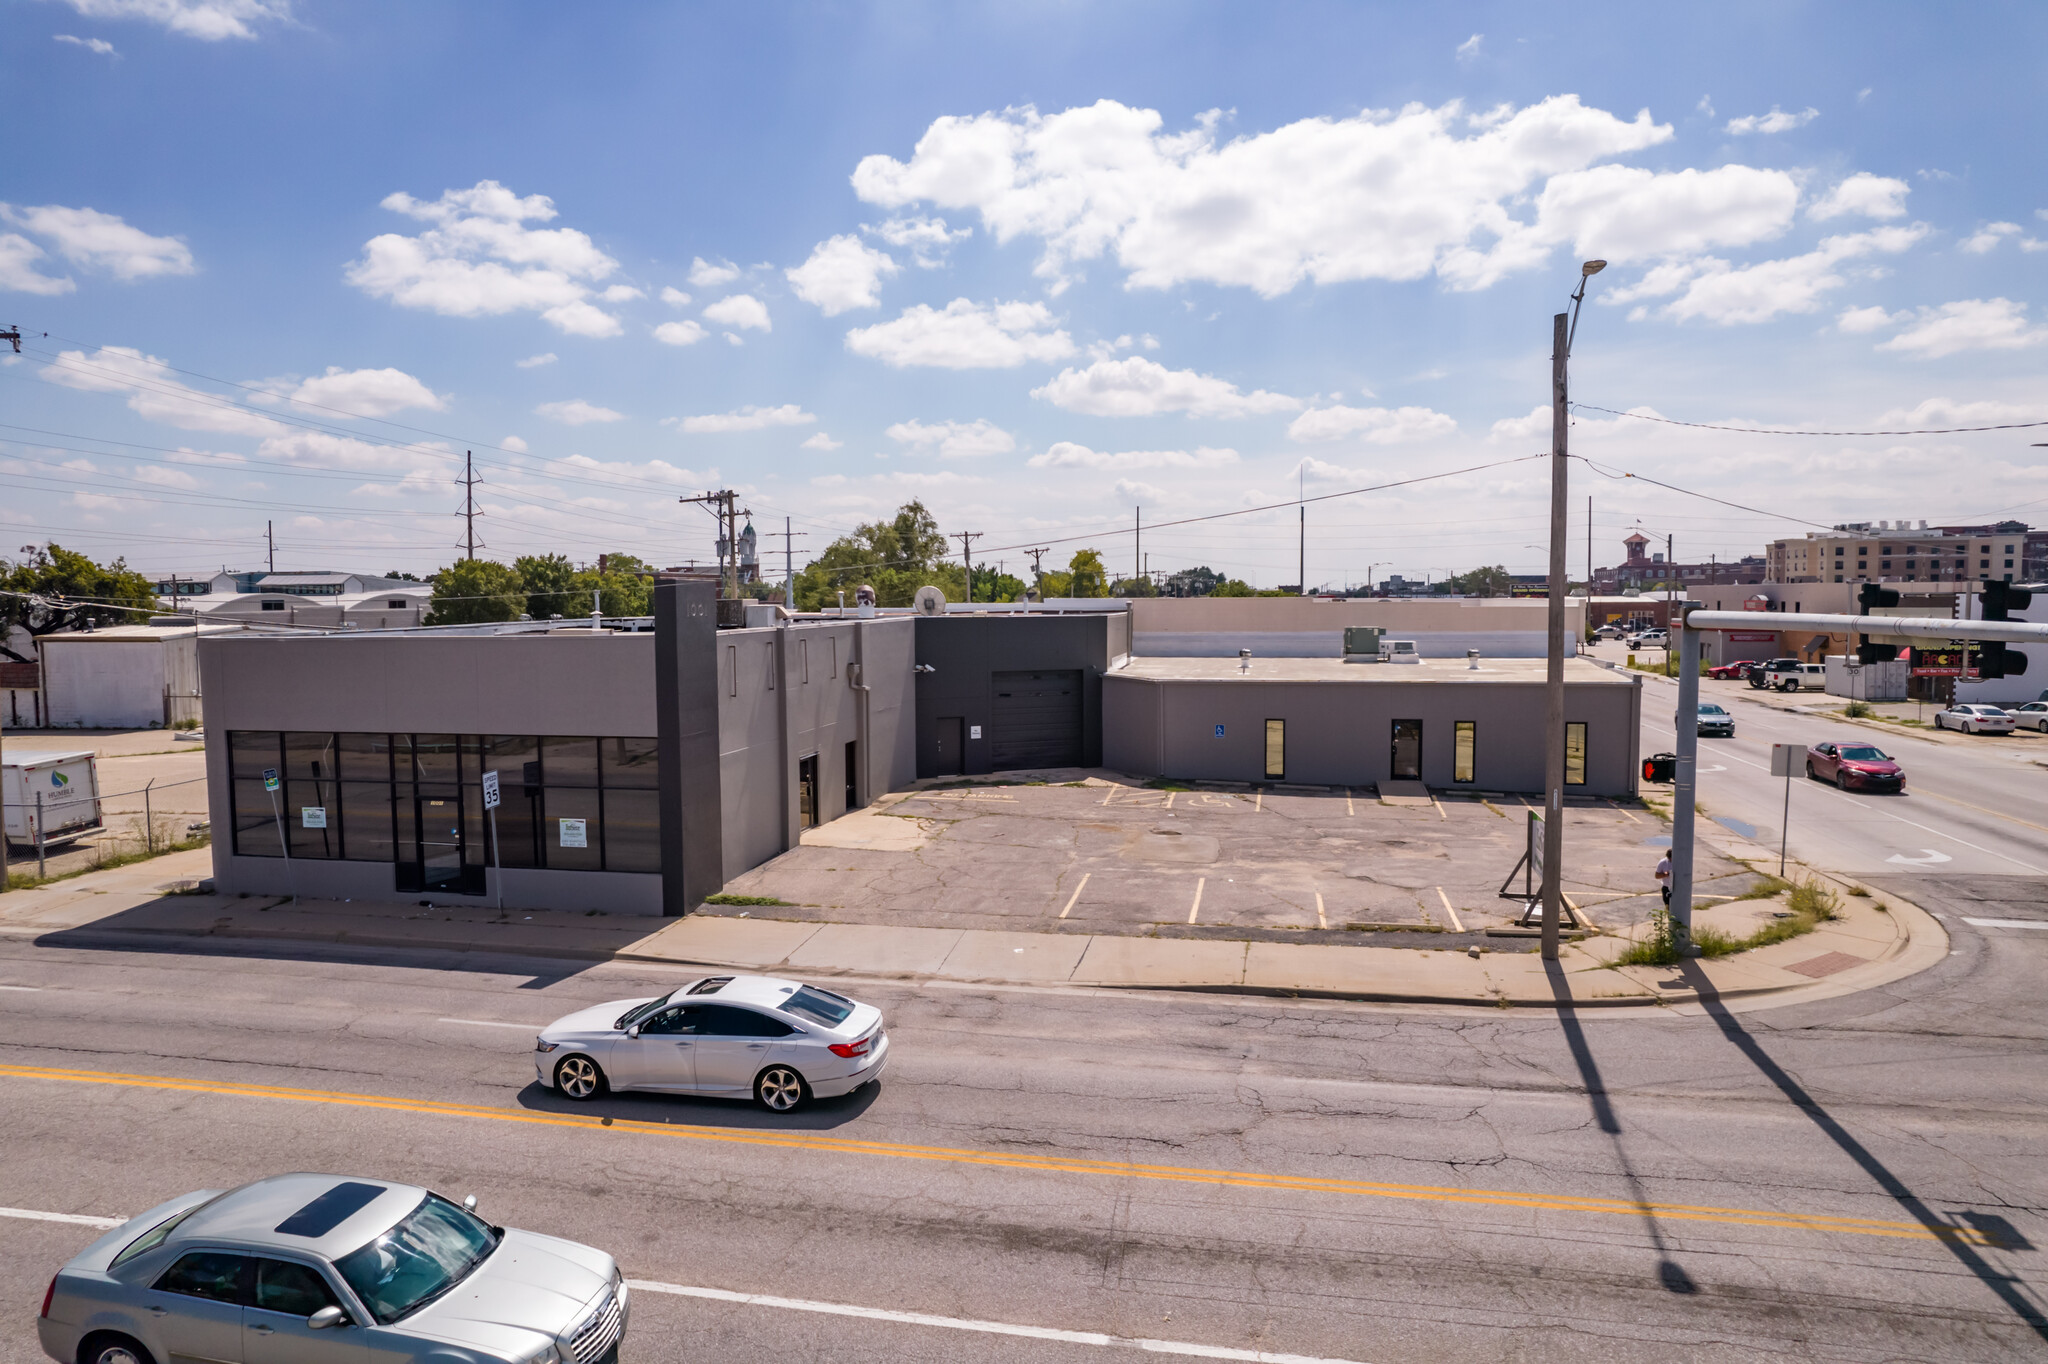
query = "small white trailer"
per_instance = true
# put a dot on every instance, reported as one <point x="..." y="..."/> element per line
<point x="68" y="784"/>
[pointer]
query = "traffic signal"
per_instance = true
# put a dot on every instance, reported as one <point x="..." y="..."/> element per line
<point x="1867" y="596"/>
<point x="1661" y="767"/>
<point x="1999" y="600"/>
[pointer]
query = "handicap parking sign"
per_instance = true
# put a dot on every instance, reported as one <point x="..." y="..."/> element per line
<point x="1219" y="731"/>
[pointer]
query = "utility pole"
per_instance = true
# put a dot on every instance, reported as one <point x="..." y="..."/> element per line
<point x="1670" y="578"/>
<point x="1037" y="569"/>
<point x="1300" y="496"/>
<point x="720" y="505"/>
<point x="270" y="538"/>
<point x="789" y="538"/>
<point x="1138" y="542"/>
<point x="1562" y="327"/>
<point x="1589" y="554"/>
<point x="468" y="481"/>
<point x="966" y="539"/>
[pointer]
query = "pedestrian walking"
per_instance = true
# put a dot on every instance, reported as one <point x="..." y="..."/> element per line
<point x="1664" y="878"/>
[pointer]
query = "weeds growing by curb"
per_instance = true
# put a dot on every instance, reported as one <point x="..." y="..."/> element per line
<point x="743" y="900"/>
<point x="1808" y="904"/>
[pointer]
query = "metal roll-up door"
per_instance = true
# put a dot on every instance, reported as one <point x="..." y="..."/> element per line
<point x="1036" y="720"/>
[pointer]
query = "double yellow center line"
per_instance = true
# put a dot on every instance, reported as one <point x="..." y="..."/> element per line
<point x="1003" y="1160"/>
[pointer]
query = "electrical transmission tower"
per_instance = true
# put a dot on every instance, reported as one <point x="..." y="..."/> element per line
<point x="469" y="513"/>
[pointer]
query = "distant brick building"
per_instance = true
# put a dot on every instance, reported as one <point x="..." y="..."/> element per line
<point x="1645" y="571"/>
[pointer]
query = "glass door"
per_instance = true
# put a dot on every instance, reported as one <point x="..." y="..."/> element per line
<point x="1407" y="763"/>
<point x="440" y="826"/>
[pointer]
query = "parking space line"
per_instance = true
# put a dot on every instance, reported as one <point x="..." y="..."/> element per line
<point x="1259" y="801"/>
<point x="488" y="1023"/>
<point x="26" y="989"/>
<point x="793" y="1139"/>
<point x="1075" y="898"/>
<point x="1439" y="807"/>
<point x="1347" y="802"/>
<point x="1456" y="926"/>
<point x="1321" y="921"/>
<point x="1169" y="798"/>
<point x="1617" y="805"/>
<point x="1196" y="907"/>
<point x="2004" y="923"/>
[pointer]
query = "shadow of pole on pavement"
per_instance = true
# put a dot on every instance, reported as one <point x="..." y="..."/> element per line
<point x="1956" y="1238"/>
<point x="1669" y="1272"/>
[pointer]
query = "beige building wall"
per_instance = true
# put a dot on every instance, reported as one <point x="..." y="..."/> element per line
<point x="1304" y="627"/>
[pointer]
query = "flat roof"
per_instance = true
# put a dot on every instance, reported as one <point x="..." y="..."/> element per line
<point x="1455" y="671"/>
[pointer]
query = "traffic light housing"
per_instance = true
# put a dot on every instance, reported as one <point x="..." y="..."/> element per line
<point x="1995" y="660"/>
<point x="1868" y="596"/>
<point x="1661" y="767"/>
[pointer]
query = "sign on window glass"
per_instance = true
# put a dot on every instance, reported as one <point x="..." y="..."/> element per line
<point x="574" y="833"/>
<point x="312" y="817"/>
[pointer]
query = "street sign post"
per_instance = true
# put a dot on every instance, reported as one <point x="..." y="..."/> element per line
<point x="491" y="798"/>
<point x="284" y="843"/>
<point x="1785" y="758"/>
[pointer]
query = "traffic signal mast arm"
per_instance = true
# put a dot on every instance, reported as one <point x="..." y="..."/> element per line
<point x="1902" y="628"/>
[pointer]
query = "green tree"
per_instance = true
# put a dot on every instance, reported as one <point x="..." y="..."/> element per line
<point x="1485" y="582"/>
<point x="68" y="590"/>
<point x="476" y="591"/>
<point x="1086" y="577"/>
<point x="1133" y="587"/>
<point x="1233" y="587"/>
<point x="993" y="585"/>
<point x="897" y="557"/>
<point x="548" y="580"/>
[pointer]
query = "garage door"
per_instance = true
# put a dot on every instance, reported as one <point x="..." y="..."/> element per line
<point x="1037" y="720"/>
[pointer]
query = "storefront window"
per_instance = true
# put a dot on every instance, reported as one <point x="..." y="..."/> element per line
<point x="1464" y="747"/>
<point x="1575" y="753"/>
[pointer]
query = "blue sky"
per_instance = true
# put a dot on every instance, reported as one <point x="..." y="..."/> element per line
<point x="1038" y="265"/>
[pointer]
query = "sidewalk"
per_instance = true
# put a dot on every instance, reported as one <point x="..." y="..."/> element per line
<point x="131" y="907"/>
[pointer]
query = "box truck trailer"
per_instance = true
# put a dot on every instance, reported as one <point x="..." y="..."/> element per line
<point x="69" y="786"/>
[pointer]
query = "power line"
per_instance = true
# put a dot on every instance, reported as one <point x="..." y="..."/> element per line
<point x="1779" y="431"/>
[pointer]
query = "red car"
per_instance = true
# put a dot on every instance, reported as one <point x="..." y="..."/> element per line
<point x="1735" y="671"/>
<point x="1855" y="767"/>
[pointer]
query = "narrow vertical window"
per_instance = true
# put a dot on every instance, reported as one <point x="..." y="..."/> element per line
<point x="803" y="658"/>
<point x="1276" y="749"/>
<point x="732" y="670"/>
<point x="835" y="655"/>
<point x="771" y="665"/>
<point x="1575" y="753"/>
<point x="1464" y="750"/>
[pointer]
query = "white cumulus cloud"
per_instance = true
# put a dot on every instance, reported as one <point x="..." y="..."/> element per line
<point x="1067" y="455"/>
<point x="674" y="297"/>
<point x="478" y="258"/>
<point x="964" y="335"/>
<point x="18" y="257"/>
<point x="684" y="333"/>
<point x="1714" y="290"/>
<point x="742" y="311"/>
<point x="101" y="241"/>
<point x="576" y="412"/>
<point x="536" y="361"/>
<point x="97" y="46"/>
<point x="1776" y="121"/>
<point x="705" y="275"/>
<point x="1137" y="387"/>
<point x="210" y="20"/>
<point x="1968" y="324"/>
<point x="1987" y="237"/>
<point x="744" y="419"/>
<point x="1867" y="319"/>
<point x="1380" y="195"/>
<point x="154" y="391"/>
<point x="367" y="392"/>
<point x="842" y="273"/>
<point x="165" y="478"/>
<point x="1469" y="49"/>
<point x="953" y="440"/>
<point x="928" y="239"/>
<point x="820" y="441"/>
<point x="1621" y="213"/>
<point x="1379" y="425"/>
<point x="1872" y="196"/>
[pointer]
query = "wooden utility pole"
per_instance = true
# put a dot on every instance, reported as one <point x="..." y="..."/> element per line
<point x="721" y="505"/>
<point x="1037" y="569"/>
<point x="967" y="539"/>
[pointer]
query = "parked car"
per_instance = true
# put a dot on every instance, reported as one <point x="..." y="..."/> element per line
<point x="780" y="1041"/>
<point x="1739" y="669"/>
<point x="1858" y="767"/>
<point x="2033" y="715"/>
<point x="1609" y="632"/>
<point x="326" y="1267"/>
<point x="1765" y="675"/>
<point x="1650" y="639"/>
<point x="1975" y="719"/>
<point x="1715" y="720"/>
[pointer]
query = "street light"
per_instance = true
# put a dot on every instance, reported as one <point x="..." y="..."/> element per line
<point x="1563" y="328"/>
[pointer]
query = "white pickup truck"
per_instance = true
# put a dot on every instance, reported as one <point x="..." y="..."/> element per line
<point x="69" y="784"/>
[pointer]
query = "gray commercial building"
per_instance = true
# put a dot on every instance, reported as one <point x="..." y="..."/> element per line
<point x="1003" y="693"/>
<point x="638" y="770"/>
<point x="1323" y="722"/>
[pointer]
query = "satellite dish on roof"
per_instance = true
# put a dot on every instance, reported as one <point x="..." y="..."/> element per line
<point x="929" y="601"/>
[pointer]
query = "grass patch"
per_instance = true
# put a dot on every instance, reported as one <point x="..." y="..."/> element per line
<point x="1168" y="784"/>
<point x="106" y="859"/>
<point x="1768" y="887"/>
<point x="1860" y="892"/>
<point x="1858" y="710"/>
<point x="1808" y="903"/>
<point x="744" y="900"/>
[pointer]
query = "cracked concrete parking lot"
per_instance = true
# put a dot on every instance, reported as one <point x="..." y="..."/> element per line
<point x="1092" y="852"/>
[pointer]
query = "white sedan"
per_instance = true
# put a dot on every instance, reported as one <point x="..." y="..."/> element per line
<point x="1975" y="719"/>
<point x="780" y="1041"/>
<point x="2033" y="715"/>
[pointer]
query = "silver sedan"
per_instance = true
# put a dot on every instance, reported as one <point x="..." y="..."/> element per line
<point x="780" y="1041"/>
<point x="320" y="1269"/>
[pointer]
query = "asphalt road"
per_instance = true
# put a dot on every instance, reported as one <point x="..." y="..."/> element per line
<point x="1857" y="1179"/>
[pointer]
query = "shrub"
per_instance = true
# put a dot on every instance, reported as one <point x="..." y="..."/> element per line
<point x="1858" y="710"/>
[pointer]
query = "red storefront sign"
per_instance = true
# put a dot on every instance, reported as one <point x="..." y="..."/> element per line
<point x="1941" y="663"/>
<point x="1751" y="636"/>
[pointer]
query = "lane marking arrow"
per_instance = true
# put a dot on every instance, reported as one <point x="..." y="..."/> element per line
<point x="1931" y="859"/>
